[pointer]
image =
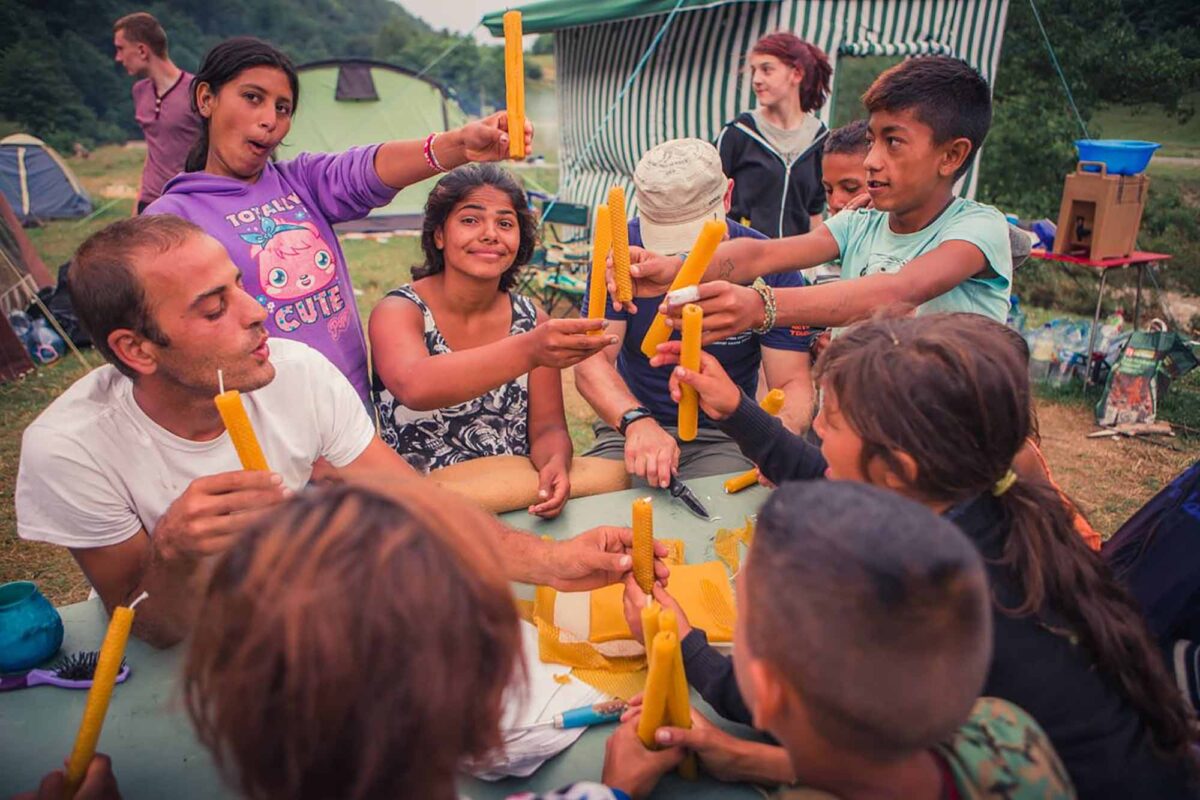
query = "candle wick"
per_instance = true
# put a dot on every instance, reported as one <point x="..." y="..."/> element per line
<point x="221" y="381"/>
<point x="143" y="595"/>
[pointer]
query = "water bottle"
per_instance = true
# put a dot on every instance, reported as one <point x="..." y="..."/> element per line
<point x="1041" y="353"/>
<point x="43" y="343"/>
<point x="21" y="323"/>
<point x="1016" y="317"/>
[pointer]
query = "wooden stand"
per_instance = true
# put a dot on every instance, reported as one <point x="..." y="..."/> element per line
<point x="1100" y="213"/>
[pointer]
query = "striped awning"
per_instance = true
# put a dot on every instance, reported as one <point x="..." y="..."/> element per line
<point x="554" y="15"/>
<point x="694" y="84"/>
<point x="873" y="48"/>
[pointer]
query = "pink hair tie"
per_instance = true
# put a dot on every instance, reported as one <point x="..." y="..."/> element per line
<point x="430" y="158"/>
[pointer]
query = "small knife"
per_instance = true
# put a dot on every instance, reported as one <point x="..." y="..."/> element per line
<point x="679" y="489"/>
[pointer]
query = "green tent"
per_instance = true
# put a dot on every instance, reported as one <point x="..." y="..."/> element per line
<point x="353" y="101"/>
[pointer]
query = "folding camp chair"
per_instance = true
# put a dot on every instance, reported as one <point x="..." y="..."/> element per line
<point x="558" y="269"/>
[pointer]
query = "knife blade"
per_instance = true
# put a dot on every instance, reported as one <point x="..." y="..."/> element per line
<point x="680" y="490"/>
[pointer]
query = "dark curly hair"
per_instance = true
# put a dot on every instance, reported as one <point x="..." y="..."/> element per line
<point x="451" y="190"/>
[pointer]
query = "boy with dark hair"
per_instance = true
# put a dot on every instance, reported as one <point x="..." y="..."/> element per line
<point x="920" y="246"/>
<point x="843" y="173"/>
<point x="862" y="641"/>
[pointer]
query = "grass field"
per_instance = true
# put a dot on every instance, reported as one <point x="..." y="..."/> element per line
<point x="1126" y="122"/>
<point x="1111" y="479"/>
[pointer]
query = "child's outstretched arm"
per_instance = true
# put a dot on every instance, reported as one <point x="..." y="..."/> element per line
<point x="739" y="261"/>
<point x="401" y="163"/>
<point x="730" y="309"/>
<point x="780" y="454"/>
<point x="425" y="382"/>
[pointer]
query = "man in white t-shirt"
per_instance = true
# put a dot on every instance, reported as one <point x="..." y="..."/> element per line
<point x="132" y="468"/>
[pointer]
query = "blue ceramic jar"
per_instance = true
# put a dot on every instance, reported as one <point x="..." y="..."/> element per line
<point x="30" y="628"/>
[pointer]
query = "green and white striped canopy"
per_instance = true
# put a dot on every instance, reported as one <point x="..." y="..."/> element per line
<point x="693" y="83"/>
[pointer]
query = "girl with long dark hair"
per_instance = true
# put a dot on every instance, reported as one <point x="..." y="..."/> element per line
<point x="936" y="408"/>
<point x="465" y="367"/>
<point x="276" y="218"/>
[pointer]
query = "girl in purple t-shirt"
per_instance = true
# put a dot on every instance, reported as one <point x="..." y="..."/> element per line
<point x="276" y="219"/>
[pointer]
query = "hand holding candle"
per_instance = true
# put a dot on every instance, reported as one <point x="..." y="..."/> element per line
<point x="112" y="653"/>
<point x="658" y="686"/>
<point x="689" y="358"/>
<point x="514" y="84"/>
<point x="679" y="704"/>
<point x="241" y="433"/>
<point x="619" y="226"/>
<point x="772" y="403"/>
<point x="601" y="246"/>
<point x="689" y="274"/>
<point x="643" y="544"/>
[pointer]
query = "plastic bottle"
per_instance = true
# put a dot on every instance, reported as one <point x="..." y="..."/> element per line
<point x="1016" y="316"/>
<point x="44" y="343"/>
<point x="1041" y="353"/>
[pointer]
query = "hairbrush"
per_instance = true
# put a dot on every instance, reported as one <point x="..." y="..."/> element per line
<point x="69" y="672"/>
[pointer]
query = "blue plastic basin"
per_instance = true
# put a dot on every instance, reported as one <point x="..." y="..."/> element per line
<point x="1121" y="156"/>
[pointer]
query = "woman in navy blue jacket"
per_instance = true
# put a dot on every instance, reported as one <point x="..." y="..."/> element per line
<point x="773" y="153"/>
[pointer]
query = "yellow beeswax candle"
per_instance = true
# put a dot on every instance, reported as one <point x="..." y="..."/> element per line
<point x="514" y="83"/>
<point x="772" y="403"/>
<point x="658" y="686"/>
<point x="112" y="652"/>
<point x="601" y="245"/>
<point x="619" y="226"/>
<point x="241" y="433"/>
<point x="643" y="544"/>
<point x="689" y="358"/>
<point x="689" y="275"/>
<point x="650" y="613"/>
<point x="679" y="704"/>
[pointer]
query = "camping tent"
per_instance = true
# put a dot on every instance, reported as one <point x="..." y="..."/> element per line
<point x="692" y="83"/>
<point x="37" y="183"/>
<point x="353" y="101"/>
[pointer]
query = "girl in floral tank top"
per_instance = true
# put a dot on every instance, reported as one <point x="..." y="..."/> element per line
<point x="464" y="368"/>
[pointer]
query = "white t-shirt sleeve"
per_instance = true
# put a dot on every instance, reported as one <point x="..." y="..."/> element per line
<point x="987" y="229"/>
<point x="346" y="428"/>
<point x="64" y="497"/>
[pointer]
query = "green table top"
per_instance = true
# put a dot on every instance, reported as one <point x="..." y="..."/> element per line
<point x="155" y="754"/>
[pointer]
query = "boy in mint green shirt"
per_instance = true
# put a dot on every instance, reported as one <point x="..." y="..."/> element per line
<point x="919" y="248"/>
<point x="869" y="246"/>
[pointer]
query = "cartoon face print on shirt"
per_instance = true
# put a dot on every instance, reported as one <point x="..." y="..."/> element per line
<point x="293" y="259"/>
<point x="882" y="262"/>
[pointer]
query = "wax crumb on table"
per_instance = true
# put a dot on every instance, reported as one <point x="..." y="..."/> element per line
<point x="563" y="678"/>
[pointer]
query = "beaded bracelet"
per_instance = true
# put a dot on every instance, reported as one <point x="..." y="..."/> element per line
<point x="768" y="298"/>
<point x="430" y="157"/>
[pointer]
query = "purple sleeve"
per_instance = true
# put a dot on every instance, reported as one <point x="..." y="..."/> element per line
<point x="344" y="186"/>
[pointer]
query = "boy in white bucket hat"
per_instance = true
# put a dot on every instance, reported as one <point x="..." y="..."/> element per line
<point x="679" y="185"/>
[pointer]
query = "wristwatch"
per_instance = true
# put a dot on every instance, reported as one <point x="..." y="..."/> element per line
<point x="631" y="416"/>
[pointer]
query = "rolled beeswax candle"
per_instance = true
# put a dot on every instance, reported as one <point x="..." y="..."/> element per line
<point x="643" y="544"/>
<point x="689" y="275"/>
<point x="658" y="686"/>
<point x="619" y="226"/>
<point x="112" y="652"/>
<point x="601" y="245"/>
<point x="679" y="705"/>
<point x="514" y="83"/>
<point x="650" y="613"/>
<point x="689" y="358"/>
<point x="772" y="403"/>
<point x="241" y="433"/>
